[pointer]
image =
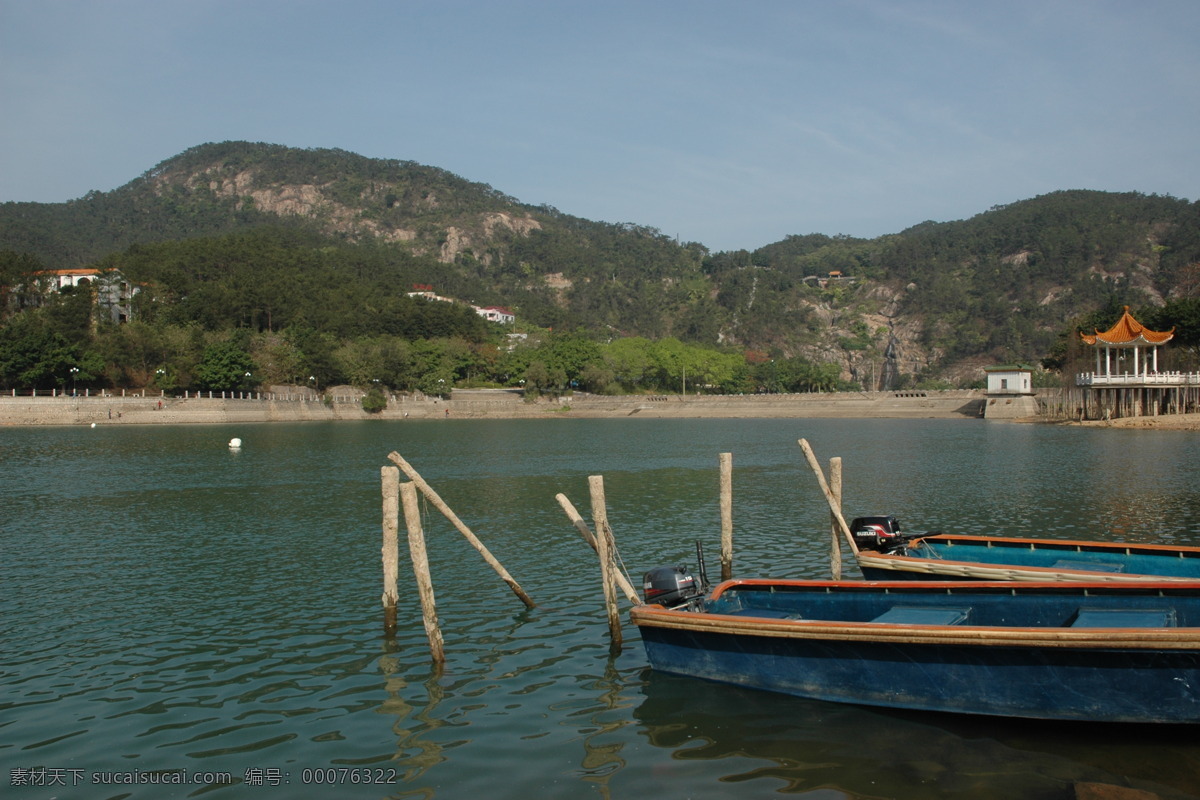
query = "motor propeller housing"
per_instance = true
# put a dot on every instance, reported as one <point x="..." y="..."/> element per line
<point x="670" y="586"/>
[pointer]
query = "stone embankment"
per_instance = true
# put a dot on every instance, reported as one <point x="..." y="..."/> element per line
<point x="481" y="404"/>
<point x="505" y="404"/>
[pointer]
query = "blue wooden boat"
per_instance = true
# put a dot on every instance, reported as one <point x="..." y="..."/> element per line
<point x="884" y="554"/>
<point x="1087" y="651"/>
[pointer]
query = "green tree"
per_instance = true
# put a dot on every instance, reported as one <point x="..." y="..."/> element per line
<point x="598" y="379"/>
<point x="374" y="401"/>
<point x="540" y="378"/>
<point x="226" y="366"/>
<point x="631" y="360"/>
<point x="33" y="355"/>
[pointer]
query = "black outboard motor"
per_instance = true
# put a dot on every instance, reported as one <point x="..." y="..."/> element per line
<point x="881" y="533"/>
<point x="670" y="586"/>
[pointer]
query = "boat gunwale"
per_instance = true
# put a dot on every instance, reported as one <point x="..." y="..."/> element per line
<point x="1114" y="638"/>
<point x="1076" y="545"/>
<point x="1011" y="572"/>
<point x="1095" y="582"/>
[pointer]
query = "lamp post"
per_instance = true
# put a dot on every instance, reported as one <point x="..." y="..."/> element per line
<point x="74" y="371"/>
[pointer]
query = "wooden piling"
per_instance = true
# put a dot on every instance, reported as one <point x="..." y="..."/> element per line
<point x="726" y="461"/>
<point x="441" y="506"/>
<point x="605" y="545"/>
<point x="586" y="533"/>
<point x="420" y="562"/>
<point x="835" y="486"/>
<point x="834" y="506"/>
<point x="390" y="479"/>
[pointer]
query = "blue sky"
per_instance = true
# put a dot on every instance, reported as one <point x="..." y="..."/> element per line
<point x="733" y="124"/>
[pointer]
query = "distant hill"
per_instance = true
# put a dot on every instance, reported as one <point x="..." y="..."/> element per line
<point x="938" y="300"/>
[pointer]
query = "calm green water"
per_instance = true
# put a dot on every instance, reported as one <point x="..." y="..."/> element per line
<point x="170" y="606"/>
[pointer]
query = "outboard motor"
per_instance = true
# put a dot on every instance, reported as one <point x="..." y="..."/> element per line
<point x="881" y="534"/>
<point x="671" y="586"/>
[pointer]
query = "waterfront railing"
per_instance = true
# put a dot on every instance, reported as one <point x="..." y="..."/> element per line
<point x="1145" y="379"/>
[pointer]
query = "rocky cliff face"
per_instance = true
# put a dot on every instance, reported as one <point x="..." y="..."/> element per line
<point x="325" y="205"/>
<point x="475" y="238"/>
<point x="872" y="342"/>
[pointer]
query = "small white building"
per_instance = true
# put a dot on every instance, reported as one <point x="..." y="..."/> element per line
<point x="1009" y="392"/>
<point x="490" y="313"/>
<point x="112" y="292"/>
<point x="496" y="314"/>
<point x="1009" y="379"/>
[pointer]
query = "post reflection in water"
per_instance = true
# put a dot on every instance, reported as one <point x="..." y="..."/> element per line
<point x="414" y="749"/>
<point x="602" y="759"/>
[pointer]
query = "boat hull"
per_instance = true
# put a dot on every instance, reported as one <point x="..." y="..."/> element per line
<point x="1002" y="558"/>
<point x="1127" y="675"/>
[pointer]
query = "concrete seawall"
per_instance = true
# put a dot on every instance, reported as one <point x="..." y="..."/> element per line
<point x="486" y="404"/>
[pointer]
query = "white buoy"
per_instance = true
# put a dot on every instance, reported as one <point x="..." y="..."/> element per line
<point x="93" y="424"/>
<point x="235" y="444"/>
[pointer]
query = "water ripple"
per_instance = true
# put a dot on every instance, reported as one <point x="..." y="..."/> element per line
<point x="184" y="609"/>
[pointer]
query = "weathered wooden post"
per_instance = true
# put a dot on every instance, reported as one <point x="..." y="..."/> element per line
<point x="586" y="533"/>
<point x="835" y="486"/>
<point x="441" y="506"/>
<point x="834" y="507"/>
<point x="726" y="460"/>
<point x="420" y="562"/>
<point x="390" y="477"/>
<point x="605" y="546"/>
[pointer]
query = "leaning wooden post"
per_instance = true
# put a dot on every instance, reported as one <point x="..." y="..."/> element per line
<point x="420" y="562"/>
<point x="726" y="460"/>
<point x="835" y="486"/>
<point x="605" y="546"/>
<point x="441" y="506"/>
<point x="390" y="478"/>
<point x="834" y="507"/>
<point x="586" y="533"/>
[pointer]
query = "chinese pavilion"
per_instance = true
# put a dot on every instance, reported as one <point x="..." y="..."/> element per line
<point x="1127" y="382"/>
<point x="1127" y="335"/>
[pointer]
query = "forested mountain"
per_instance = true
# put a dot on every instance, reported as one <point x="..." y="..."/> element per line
<point x="263" y="239"/>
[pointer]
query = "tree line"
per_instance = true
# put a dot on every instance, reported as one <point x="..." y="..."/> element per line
<point x="278" y="306"/>
<point x="61" y="346"/>
<point x="1002" y="285"/>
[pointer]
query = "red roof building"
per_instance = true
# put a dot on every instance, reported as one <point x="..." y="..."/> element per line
<point x="1127" y="335"/>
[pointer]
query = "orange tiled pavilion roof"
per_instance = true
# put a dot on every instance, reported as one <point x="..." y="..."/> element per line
<point x="1128" y="332"/>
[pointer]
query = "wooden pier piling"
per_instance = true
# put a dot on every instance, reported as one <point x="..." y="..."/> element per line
<point x="581" y="526"/>
<point x="605" y="547"/>
<point x="726" y="461"/>
<point x="420" y="562"/>
<point x="441" y="506"/>
<point x="390" y="479"/>
<point x="835" y="506"/>
<point x="835" y="486"/>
